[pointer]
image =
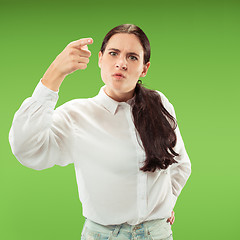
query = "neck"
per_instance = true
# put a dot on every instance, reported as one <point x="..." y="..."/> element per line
<point x="119" y="97"/>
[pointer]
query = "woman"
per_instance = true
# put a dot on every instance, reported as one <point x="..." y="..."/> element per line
<point x="129" y="157"/>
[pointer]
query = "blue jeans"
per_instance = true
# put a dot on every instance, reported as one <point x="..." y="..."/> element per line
<point x="158" y="229"/>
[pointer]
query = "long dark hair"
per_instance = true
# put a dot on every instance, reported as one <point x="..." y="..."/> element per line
<point x="153" y="122"/>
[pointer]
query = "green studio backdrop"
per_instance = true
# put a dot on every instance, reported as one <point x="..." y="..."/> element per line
<point x="194" y="62"/>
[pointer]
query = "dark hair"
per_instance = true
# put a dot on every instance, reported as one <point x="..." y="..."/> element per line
<point x="153" y="122"/>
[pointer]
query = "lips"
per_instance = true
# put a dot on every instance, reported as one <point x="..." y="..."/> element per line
<point x="118" y="75"/>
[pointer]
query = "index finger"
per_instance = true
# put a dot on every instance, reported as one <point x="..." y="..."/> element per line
<point x="81" y="42"/>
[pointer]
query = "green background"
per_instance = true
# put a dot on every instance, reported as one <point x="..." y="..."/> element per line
<point x="194" y="62"/>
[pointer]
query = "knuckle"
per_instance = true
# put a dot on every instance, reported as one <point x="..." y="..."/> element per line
<point x="73" y="67"/>
<point x="71" y="52"/>
<point x="84" y="66"/>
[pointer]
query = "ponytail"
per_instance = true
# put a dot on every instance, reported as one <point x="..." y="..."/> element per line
<point x="155" y="126"/>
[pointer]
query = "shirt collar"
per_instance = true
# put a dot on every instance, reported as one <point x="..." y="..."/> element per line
<point x="109" y="103"/>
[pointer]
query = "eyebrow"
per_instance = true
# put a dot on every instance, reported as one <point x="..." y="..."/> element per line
<point x="117" y="50"/>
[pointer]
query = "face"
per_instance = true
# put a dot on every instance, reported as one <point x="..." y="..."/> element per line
<point x="123" y="56"/>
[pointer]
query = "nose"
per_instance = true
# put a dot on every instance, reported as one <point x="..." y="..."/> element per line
<point x="121" y="64"/>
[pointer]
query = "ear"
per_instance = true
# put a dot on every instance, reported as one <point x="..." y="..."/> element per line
<point x="145" y="69"/>
<point x="100" y="59"/>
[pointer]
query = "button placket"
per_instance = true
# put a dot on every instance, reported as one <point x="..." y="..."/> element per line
<point x="142" y="177"/>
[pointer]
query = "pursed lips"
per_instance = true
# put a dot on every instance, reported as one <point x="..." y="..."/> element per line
<point x="118" y="75"/>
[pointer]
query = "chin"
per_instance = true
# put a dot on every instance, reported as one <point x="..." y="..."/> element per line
<point x="117" y="86"/>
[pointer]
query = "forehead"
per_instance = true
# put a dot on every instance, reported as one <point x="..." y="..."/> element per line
<point x="125" y="42"/>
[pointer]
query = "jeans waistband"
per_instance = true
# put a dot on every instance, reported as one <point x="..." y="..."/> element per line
<point x="105" y="228"/>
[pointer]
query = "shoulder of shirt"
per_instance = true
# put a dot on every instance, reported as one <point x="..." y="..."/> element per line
<point x="78" y="103"/>
<point x="167" y="104"/>
<point x="164" y="99"/>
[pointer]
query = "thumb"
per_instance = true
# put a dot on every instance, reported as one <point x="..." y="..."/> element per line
<point x="85" y="47"/>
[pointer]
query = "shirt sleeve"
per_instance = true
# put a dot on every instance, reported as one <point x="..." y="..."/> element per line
<point x="179" y="172"/>
<point x="41" y="137"/>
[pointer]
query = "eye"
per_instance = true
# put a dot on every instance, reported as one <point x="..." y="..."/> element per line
<point x="133" y="58"/>
<point x="113" y="53"/>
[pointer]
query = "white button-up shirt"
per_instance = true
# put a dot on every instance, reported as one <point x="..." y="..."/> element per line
<point x="98" y="136"/>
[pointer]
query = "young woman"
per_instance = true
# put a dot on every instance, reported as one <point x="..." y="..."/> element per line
<point x="129" y="157"/>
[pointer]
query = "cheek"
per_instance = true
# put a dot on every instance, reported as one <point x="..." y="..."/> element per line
<point x="105" y="73"/>
<point x="107" y="65"/>
<point x="137" y="69"/>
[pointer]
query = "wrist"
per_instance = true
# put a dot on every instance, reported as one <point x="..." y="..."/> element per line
<point x="52" y="78"/>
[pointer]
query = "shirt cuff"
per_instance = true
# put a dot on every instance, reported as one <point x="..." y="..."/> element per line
<point x="45" y="95"/>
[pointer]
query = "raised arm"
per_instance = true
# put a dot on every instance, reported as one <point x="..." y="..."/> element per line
<point x="41" y="137"/>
